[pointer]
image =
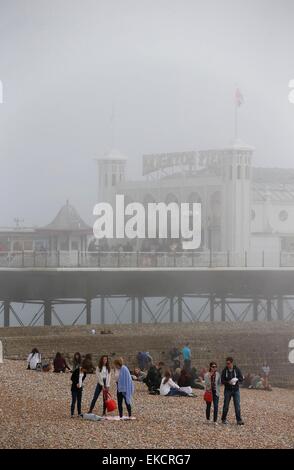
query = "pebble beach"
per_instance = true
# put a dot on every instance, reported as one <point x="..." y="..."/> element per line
<point x="34" y="414"/>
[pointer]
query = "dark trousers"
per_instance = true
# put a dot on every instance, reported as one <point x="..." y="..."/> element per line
<point x="187" y="363"/>
<point x="236" y="399"/>
<point x="175" y="392"/>
<point x="120" y="398"/>
<point x="97" y="392"/>
<point x="215" y="399"/>
<point x="76" y="397"/>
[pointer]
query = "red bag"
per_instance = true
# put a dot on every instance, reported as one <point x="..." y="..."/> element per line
<point x="110" y="403"/>
<point x="208" y="396"/>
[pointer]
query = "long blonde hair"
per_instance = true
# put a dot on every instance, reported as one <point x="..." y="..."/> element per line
<point x="118" y="362"/>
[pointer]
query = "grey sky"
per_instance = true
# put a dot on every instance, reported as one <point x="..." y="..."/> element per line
<point x="170" y="69"/>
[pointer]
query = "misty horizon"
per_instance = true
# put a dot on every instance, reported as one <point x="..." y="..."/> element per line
<point x="81" y="79"/>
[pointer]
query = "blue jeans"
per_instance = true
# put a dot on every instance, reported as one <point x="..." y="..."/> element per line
<point x="76" y="398"/>
<point x="120" y="398"/>
<point x="236" y="399"/>
<point x="176" y="392"/>
<point x="97" y="392"/>
<point x="187" y="363"/>
<point x="215" y="399"/>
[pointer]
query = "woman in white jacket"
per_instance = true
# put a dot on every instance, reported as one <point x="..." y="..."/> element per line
<point x="103" y="375"/>
<point x="33" y="359"/>
<point x="212" y="381"/>
<point x="169" y="388"/>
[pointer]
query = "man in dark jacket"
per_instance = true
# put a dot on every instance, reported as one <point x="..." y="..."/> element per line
<point x="231" y="377"/>
<point x="153" y="379"/>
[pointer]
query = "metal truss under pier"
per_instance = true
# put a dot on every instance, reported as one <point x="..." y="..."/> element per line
<point x="123" y="309"/>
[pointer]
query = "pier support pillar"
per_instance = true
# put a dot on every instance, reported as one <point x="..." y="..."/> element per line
<point x="133" y="309"/>
<point x="102" y="310"/>
<point x="171" y="309"/>
<point x="211" y="307"/>
<point x="6" y="306"/>
<point x="223" y="309"/>
<point x="180" y="309"/>
<point x="47" y="313"/>
<point x="280" y="307"/>
<point x="255" y="309"/>
<point x="88" y="311"/>
<point x="140" y="309"/>
<point x="268" y="309"/>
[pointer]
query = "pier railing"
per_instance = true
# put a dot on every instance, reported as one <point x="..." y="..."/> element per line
<point x="203" y="259"/>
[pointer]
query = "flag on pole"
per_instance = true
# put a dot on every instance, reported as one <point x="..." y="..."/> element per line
<point x="239" y="98"/>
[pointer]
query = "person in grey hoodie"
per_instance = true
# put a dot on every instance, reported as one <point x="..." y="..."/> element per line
<point x="212" y="382"/>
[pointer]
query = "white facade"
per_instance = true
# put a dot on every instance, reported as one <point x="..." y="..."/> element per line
<point x="243" y="208"/>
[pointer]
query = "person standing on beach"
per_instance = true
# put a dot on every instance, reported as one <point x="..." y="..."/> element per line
<point x="103" y="375"/>
<point x="186" y="353"/>
<point x="265" y="372"/>
<point x="77" y="361"/>
<point x="125" y="387"/>
<point x="212" y="381"/>
<point x="77" y="378"/>
<point x="231" y="377"/>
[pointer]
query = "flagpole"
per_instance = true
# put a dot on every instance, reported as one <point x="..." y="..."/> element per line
<point x="236" y="122"/>
<point x="112" y="127"/>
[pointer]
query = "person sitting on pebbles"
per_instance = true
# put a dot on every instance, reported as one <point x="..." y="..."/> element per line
<point x="169" y="388"/>
<point x="60" y="364"/>
<point x="138" y="375"/>
<point x="33" y="359"/>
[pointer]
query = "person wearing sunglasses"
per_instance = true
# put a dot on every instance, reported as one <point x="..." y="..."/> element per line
<point x="231" y="378"/>
<point x="212" y="382"/>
